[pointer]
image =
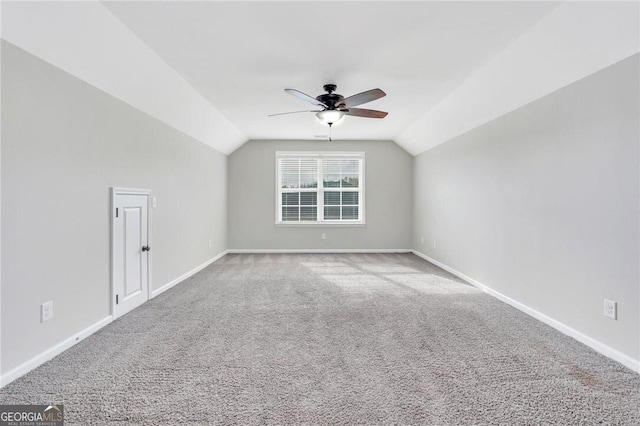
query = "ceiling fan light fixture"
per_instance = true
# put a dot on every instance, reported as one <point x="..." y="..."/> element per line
<point x="330" y="116"/>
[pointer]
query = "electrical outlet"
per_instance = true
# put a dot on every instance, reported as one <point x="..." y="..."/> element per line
<point x="46" y="311"/>
<point x="323" y="236"/>
<point x="610" y="309"/>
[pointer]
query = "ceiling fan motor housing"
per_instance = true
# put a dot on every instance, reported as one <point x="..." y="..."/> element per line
<point x="335" y="106"/>
<point x="330" y="99"/>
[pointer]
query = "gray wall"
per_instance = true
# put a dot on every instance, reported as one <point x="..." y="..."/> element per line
<point x="542" y="205"/>
<point x="388" y="191"/>
<point x="64" y="145"/>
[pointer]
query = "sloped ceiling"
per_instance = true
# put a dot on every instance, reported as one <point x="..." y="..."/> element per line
<point x="215" y="70"/>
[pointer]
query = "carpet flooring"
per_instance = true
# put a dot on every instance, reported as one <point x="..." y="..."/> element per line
<point x="330" y="339"/>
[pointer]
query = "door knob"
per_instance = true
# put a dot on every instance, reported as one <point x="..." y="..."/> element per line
<point x="146" y="248"/>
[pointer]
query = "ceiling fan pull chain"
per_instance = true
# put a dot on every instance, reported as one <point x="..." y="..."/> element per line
<point x="330" y="127"/>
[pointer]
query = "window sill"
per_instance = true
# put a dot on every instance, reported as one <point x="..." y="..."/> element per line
<point x="320" y="225"/>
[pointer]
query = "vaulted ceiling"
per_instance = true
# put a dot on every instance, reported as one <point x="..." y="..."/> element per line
<point x="215" y="70"/>
<point x="241" y="56"/>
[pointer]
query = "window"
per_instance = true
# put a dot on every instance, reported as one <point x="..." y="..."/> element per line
<point x="320" y="188"/>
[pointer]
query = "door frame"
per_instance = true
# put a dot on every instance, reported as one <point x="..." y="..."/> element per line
<point x="115" y="191"/>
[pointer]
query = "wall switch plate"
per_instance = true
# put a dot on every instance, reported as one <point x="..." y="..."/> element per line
<point x="323" y="236"/>
<point x="421" y="240"/>
<point x="46" y="311"/>
<point x="610" y="309"/>
<point x="154" y="202"/>
<point x="435" y="244"/>
<point x="209" y="243"/>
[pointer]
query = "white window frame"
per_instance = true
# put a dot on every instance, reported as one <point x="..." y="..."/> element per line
<point x="320" y="190"/>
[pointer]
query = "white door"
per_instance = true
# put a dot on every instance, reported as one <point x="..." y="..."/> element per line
<point x="130" y="250"/>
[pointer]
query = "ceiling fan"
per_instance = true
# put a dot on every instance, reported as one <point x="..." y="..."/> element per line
<point x="335" y="106"/>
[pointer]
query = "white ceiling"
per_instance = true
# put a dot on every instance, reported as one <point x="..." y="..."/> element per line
<point x="215" y="69"/>
<point x="241" y="55"/>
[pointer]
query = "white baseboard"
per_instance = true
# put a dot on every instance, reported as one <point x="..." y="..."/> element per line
<point x="45" y="356"/>
<point x="184" y="276"/>
<point x="257" y="251"/>
<point x="598" y="346"/>
<point x="50" y="353"/>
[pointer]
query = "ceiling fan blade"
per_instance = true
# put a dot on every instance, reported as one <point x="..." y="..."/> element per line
<point x="294" y="112"/>
<point x="298" y="94"/>
<point x="368" y="113"/>
<point x="363" y="98"/>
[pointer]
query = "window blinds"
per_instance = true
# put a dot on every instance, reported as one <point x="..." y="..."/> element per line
<point x="319" y="187"/>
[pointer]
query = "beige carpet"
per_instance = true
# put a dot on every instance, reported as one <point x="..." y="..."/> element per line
<point x="330" y="339"/>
